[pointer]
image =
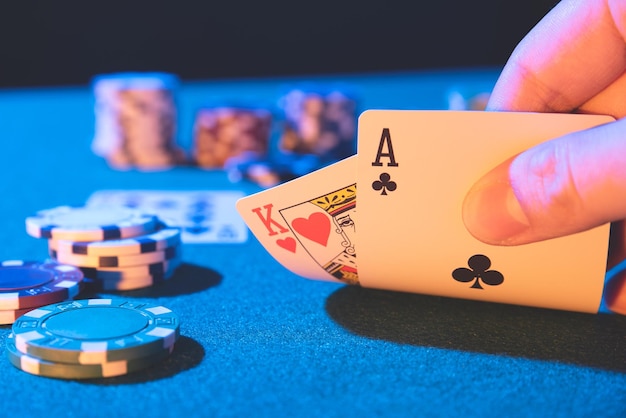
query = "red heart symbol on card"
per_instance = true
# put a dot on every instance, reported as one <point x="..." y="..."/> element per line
<point x="316" y="227"/>
<point x="288" y="244"/>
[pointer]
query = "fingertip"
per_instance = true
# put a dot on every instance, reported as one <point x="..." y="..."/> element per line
<point x="491" y="210"/>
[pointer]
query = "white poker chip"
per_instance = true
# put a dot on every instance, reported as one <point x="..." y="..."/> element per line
<point x="163" y="268"/>
<point x="118" y="261"/>
<point x="90" y="224"/>
<point x="157" y="241"/>
<point x="129" y="283"/>
<point x="125" y="285"/>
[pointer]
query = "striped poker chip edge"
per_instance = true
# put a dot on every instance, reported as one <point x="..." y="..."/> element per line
<point x="118" y="261"/>
<point x="125" y="284"/>
<point x="128" y="283"/>
<point x="156" y="241"/>
<point x="41" y="367"/>
<point x="153" y="269"/>
<point x="8" y="316"/>
<point x="35" y="333"/>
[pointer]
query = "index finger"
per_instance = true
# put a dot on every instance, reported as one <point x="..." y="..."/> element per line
<point x="577" y="50"/>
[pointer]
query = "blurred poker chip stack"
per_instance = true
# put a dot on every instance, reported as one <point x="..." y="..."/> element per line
<point x="318" y="128"/>
<point x="223" y="133"/>
<point x="468" y="97"/>
<point x="136" y="120"/>
<point x="115" y="248"/>
<point x="318" y="122"/>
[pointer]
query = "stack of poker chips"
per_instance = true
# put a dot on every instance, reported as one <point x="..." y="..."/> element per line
<point x="319" y="123"/>
<point x="92" y="338"/>
<point x="222" y="133"/>
<point x="27" y="285"/>
<point x="319" y="128"/>
<point x="136" y="120"/>
<point x="116" y="248"/>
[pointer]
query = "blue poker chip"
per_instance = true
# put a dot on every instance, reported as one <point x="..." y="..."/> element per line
<point x="96" y="331"/>
<point x="29" y="284"/>
<point x="90" y="223"/>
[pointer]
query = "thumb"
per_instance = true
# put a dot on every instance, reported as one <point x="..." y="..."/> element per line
<point x="563" y="186"/>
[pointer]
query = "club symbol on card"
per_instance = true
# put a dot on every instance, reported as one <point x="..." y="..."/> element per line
<point x="197" y="229"/>
<point x="479" y="271"/>
<point x="227" y="232"/>
<point x="384" y="183"/>
<point x="166" y="204"/>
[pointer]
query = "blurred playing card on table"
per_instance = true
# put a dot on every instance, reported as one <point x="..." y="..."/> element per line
<point x="205" y="216"/>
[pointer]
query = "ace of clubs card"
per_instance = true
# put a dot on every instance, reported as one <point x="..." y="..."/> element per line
<point x="413" y="170"/>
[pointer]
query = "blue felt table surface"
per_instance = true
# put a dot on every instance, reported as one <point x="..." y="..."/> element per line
<point x="259" y="341"/>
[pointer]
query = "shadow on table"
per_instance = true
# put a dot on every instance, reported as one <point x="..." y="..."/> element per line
<point x="597" y="341"/>
<point x="188" y="279"/>
<point x="187" y="354"/>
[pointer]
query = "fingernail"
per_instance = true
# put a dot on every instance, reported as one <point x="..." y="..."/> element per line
<point x="491" y="211"/>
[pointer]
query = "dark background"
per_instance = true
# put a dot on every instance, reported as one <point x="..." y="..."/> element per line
<point x="66" y="42"/>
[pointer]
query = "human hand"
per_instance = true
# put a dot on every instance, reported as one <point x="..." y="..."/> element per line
<point x="574" y="60"/>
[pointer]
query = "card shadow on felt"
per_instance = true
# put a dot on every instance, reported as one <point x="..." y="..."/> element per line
<point x="187" y="354"/>
<point x="589" y="340"/>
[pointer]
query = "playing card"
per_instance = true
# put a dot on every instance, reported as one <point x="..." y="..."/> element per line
<point x="308" y="224"/>
<point x="204" y="216"/>
<point x="414" y="170"/>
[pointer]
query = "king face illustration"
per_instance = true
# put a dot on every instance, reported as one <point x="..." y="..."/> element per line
<point x="326" y="228"/>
